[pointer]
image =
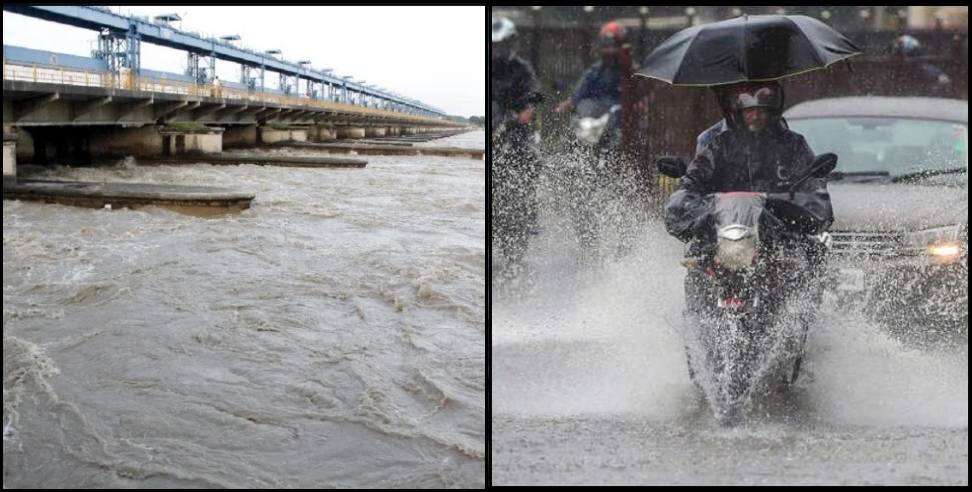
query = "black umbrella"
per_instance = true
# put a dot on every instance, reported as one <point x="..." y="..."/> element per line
<point x="747" y="48"/>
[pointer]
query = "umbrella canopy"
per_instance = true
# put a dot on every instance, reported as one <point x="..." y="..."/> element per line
<point x="747" y="48"/>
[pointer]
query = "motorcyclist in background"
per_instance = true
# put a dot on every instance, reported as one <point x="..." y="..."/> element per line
<point x="515" y="91"/>
<point x="608" y="78"/>
<point x="602" y="91"/>
<point x="908" y="50"/>
<point x="756" y="153"/>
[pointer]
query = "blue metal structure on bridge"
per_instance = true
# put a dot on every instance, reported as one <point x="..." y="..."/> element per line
<point x="120" y="40"/>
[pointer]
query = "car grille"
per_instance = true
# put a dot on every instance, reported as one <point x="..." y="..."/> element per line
<point x="874" y="244"/>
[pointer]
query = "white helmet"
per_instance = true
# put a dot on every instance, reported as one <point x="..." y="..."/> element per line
<point x="503" y="29"/>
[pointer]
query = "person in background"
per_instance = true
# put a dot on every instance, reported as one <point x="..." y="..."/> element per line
<point x="908" y="51"/>
<point x="609" y="79"/>
<point x="515" y="164"/>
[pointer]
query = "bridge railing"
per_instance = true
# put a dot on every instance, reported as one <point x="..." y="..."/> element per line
<point x="53" y="74"/>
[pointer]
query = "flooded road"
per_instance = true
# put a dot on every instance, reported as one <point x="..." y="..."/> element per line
<point x="590" y="386"/>
<point x="332" y="335"/>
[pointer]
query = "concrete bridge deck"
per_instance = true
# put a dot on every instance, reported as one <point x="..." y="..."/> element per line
<point x="52" y="95"/>
<point x="73" y="109"/>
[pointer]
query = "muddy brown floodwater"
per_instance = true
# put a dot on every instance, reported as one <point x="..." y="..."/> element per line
<point x="332" y="335"/>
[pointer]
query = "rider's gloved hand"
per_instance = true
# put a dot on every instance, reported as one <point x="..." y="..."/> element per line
<point x="526" y="115"/>
<point x="702" y="225"/>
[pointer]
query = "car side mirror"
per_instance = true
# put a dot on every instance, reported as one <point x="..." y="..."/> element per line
<point x="671" y="166"/>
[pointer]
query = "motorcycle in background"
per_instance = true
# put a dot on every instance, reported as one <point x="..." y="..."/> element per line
<point x="586" y="179"/>
<point x="514" y="173"/>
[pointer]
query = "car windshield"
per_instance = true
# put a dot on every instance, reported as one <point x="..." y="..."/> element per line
<point x="896" y="146"/>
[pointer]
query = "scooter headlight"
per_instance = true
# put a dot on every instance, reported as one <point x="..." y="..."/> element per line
<point x="735" y="232"/>
<point x="589" y="130"/>
<point x="736" y="246"/>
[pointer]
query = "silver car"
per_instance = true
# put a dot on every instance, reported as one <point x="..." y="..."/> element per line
<point x="901" y="204"/>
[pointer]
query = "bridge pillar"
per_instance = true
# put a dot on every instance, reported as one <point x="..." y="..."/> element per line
<point x="270" y="135"/>
<point x="375" y="131"/>
<point x="240" y="136"/>
<point x="350" y="132"/>
<point x="25" y="145"/>
<point x="153" y="141"/>
<point x="175" y="142"/>
<point x="322" y="133"/>
<point x="394" y="130"/>
<point x="117" y="141"/>
<point x="9" y="157"/>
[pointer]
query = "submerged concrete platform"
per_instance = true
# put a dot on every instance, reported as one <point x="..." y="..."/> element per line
<point x="195" y="200"/>
<point x="412" y="139"/>
<point x="269" y="160"/>
<point x="366" y="149"/>
<point x="384" y="142"/>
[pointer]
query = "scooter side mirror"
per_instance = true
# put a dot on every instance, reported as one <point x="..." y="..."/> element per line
<point x="822" y="165"/>
<point x="671" y="166"/>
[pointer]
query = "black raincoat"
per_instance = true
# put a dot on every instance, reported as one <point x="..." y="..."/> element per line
<point x="515" y="163"/>
<point x="739" y="160"/>
<point x="514" y="87"/>
<point x="599" y="81"/>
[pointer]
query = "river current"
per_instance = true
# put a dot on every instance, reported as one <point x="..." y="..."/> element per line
<point x="332" y="335"/>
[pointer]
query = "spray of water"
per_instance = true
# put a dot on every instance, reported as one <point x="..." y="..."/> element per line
<point x="608" y="339"/>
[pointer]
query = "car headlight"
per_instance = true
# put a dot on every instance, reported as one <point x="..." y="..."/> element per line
<point x="941" y="245"/>
<point x="947" y="249"/>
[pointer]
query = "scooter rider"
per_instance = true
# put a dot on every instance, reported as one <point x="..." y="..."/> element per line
<point x="606" y="79"/>
<point x="908" y="52"/>
<point x="514" y="85"/>
<point x="515" y="163"/>
<point x="606" y="196"/>
<point x="760" y="154"/>
<point x="725" y="94"/>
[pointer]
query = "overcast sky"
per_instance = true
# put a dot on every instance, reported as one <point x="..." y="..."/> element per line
<point x="434" y="54"/>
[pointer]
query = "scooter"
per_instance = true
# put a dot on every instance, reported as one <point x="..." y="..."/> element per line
<point x="514" y="173"/>
<point x="753" y="287"/>
<point x="585" y="178"/>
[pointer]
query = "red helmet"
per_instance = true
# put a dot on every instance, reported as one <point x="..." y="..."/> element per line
<point x="612" y="34"/>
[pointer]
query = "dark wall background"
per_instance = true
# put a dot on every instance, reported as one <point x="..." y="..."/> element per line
<point x="668" y="119"/>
